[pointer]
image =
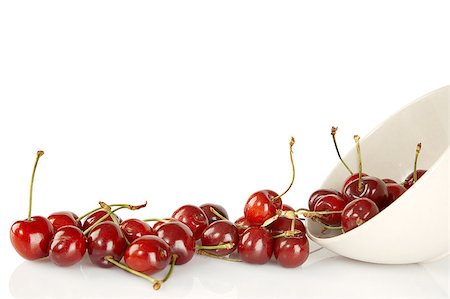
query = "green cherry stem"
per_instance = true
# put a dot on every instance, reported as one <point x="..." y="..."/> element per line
<point x="128" y="206"/>
<point x="172" y="264"/>
<point x="110" y="213"/>
<point x="358" y="149"/>
<point x="310" y="214"/>
<point x="291" y="144"/>
<point x="156" y="283"/>
<point x="418" y="148"/>
<point x="157" y="219"/>
<point x="228" y="245"/>
<point x="214" y="211"/>
<point x="30" y="204"/>
<point x="202" y="252"/>
<point x="333" y="134"/>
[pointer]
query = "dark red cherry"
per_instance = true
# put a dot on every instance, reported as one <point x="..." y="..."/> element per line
<point x="242" y="224"/>
<point x="148" y="254"/>
<point x="92" y="218"/>
<point x="357" y="212"/>
<point x="255" y="245"/>
<point x="283" y="224"/>
<point x="211" y="216"/>
<point x="180" y="239"/>
<point x="220" y="232"/>
<point x="351" y="179"/>
<point x="63" y="218"/>
<point x="388" y="181"/>
<point x="135" y="228"/>
<point x="319" y="193"/>
<point x="395" y="191"/>
<point x="372" y="188"/>
<point x="292" y="251"/>
<point x="67" y="246"/>
<point x="157" y="224"/>
<point x="330" y="203"/>
<point x="259" y="207"/>
<point x="193" y="217"/>
<point x="30" y="238"/>
<point x="409" y="181"/>
<point x="286" y="207"/>
<point x="105" y="239"/>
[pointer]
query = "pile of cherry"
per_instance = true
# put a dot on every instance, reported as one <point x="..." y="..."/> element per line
<point x="268" y="228"/>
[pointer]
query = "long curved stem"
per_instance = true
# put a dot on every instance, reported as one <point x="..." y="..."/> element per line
<point x="333" y="134"/>
<point x="110" y="213"/>
<point x="30" y="204"/>
<point x="358" y="149"/>
<point x="214" y="211"/>
<point x="418" y="148"/>
<point x="172" y="264"/>
<point x="291" y="144"/>
<point x="130" y="207"/>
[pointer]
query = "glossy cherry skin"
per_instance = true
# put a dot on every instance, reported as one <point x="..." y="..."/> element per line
<point x="157" y="224"/>
<point x="92" y="218"/>
<point x="211" y="216"/>
<point x="395" y="191"/>
<point x="148" y="254"/>
<point x="67" y="246"/>
<point x="291" y="252"/>
<point x="283" y="224"/>
<point x="388" y="181"/>
<point x="105" y="239"/>
<point x="193" y="217"/>
<point x="331" y="203"/>
<point x="255" y="245"/>
<point x="135" y="228"/>
<point x="286" y="207"/>
<point x="318" y="194"/>
<point x="30" y="238"/>
<point x="220" y="232"/>
<point x="351" y="179"/>
<point x="409" y="181"/>
<point x="242" y="224"/>
<point x="180" y="239"/>
<point x="357" y="212"/>
<point x="63" y="218"/>
<point x="260" y="207"/>
<point x="372" y="188"/>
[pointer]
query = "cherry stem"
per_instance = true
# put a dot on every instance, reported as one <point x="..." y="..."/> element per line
<point x="110" y="213"/>
<point x="38" y="155"/>
<point x="156" y="283"/>
<point x="228" y="245"/>
<point x="288" y="233"/>
<point x="418" y="148"/>
<point x="172" y="264"/>
<point x="128" y="206"/>
<point x="156" y="219"/>
<point x="358" y="149"/>
<point x="325" y="225"/>
<point x="310" y="214"/>
<point x="291" y="144"/>
<point x="293" y="225"/>
<point x="333" y="134"/>
<point x="202" y="252"/>
<point x="214" y="211"/>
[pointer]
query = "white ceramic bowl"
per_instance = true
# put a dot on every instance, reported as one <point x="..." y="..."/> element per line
<point x="415" y="228"/>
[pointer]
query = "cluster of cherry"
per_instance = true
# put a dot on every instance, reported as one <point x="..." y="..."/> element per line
<point x="268" y="227"/>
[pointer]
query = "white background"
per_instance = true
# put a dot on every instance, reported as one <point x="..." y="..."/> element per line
<point x="195" y="101"/>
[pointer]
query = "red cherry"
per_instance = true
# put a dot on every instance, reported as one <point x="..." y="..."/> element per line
<point x="158" y="224"/>
<point x="292" y="251"/>
<point x="409" y="181"/>
<point x="351" y="178"/>
<point x="372" y="188"/>
<point x="330" y="203"/>
<point x="259" y="207"/>
<point x="242" y="224"/>
<point x="92" y="218"/>
<point x="286" y="207"/>
<point x="388" y="181"/>
<point x="220" y="232"/>
<point x="255" y="245"/>
<point x="30" y="238"/>
<point x="135" y="228"/>
<point x="67" y="246"/>
<point x="105" y="239"/>
<point x="148" y="254"/>
<point x="193" y="217"/>
<point x="395" y="191"/>
<point x="357" y="212"/>
<point x="211" y="216"/>
<point x="180" y="239"/>
<point x="63" y="218"/>
<point x="283" y="224"/>
<point x="319" y="193"/>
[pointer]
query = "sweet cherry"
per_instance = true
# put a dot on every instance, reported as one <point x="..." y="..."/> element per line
<point x="220" y="232"/>
<point x="105" y="239"/>
<point x="412" y="178"/>
<point x="255" y="245"/>
<point x="394" y="191"/>
<point x="283" y="224"/>
<point x="242" y="224"/>
<point x="259" y="207"/>
<point x="357" y="212"/>
<point x="63" y="218"/>
<point x="135" y="228"/>
<point x="291" y="251"/>
<point x="67" y="246"/>
<point x="318" y="194"/>
<point x="180" y="239"/>
<point x="193" y="217"/>
<point x="211" y="216"/>
<point x="92" y="218"/>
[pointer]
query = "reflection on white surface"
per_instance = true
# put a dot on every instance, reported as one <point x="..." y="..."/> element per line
<point x="323" y="275"/>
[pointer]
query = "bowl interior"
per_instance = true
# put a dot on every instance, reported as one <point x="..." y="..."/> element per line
<point x="389" y="150"/>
